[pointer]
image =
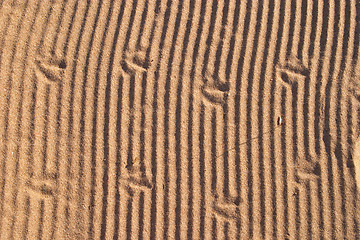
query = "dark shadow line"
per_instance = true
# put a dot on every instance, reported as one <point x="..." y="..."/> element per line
<point x="214" y="9"/>
<point x="226" y="230"/>
<point x="59" y="109"/>
<point x="326" y="132"/>
<point x="291" y="28"/>
<point x="94" y="130"/>
<point x="142" y="23"/>
<point x="279" y="40"/>
<point x="57" y="171"/>
<point x="72" y="86"/>
<point x="6" y="29"/>
<point x="350" y="161"/>
<point x="153" y="153"/>
<point x="356" y="33"/>
<point x="238" y="86"/>
<point x="219" y="51"/>
<point x="318" y="110"/>
<point x="314" y="19"/>
<point x="269" y="25"/>
<point x="105" y="179"/>
<point x="249" y="126"/>
<point x="141" y="216"/>
<point x="178" y="121"/>
<point x="213" y="152"/>
<point x="284" y="162"/>
<point x="302" y="28"/>
<point x="18" y="135"/>
<point x="297" y="213"/>
<point x="81" y="193"/>
<point x="7" y="111"/>
<point x="323" y="43"/>
<point x="166" y="118"/>
<point x="41" y="220"/>
<point x="202" y="171"/>
<point x="3" y="163"/>
<point x="225" y="107"/>
<point x="190" y="120"/>
<point x="27" y="216"/>
<point x="71" y="104"/>
<point x="155" y="120"/>
<point x="128" y="218"/>
<point x="33" y="114"/>
<point x="71" y="25"/>
<point x="229" y="63"/>
<point x="143" y="100"/>
<point x="339" y="106"/>
<point x="58" y="26"/>
<point x="214" y="228"/>
<point x="356" y="201"/>
<point x="118" y="162"/>
<point x="309" y="212"/>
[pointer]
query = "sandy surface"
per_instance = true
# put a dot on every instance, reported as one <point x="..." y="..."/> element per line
<point x="197" y="119"/>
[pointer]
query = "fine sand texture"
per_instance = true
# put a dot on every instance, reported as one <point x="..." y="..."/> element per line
<point x="187" y="119"/>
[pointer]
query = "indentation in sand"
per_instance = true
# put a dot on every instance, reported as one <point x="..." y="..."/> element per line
<point x="49" y="69"/>
<point x="291" y="71"/>
<point x="214" y="90"/>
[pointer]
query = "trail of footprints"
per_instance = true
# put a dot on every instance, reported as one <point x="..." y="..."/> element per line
<point x="47" y="69"/>
<point x="224" y="32"/>
<point x="293" y="73"/>
<point x="50" y="70"/>
<point x="135" y="62"/>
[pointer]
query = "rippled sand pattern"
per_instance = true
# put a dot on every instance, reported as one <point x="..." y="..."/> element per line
<point x="164" y="119"/>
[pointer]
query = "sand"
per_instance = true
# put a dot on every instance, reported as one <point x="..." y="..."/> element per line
<point x="179" y="119"/>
